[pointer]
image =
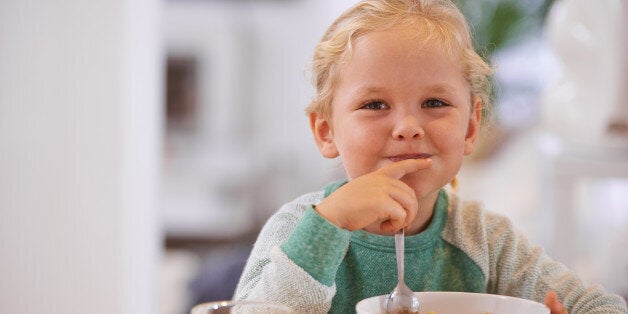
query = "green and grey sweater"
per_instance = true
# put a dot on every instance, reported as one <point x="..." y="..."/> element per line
<point x="302" y="260"/>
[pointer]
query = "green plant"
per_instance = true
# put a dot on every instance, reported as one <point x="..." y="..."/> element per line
<point x="498" y="23"/>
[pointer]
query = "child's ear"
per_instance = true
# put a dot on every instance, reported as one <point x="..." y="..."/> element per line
<point x="321" y="129"/>
<point x="473" y="127"/>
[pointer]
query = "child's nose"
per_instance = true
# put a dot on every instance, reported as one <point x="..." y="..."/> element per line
<point x="408" y="128"/>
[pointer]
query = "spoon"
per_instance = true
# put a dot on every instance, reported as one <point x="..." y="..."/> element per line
<point x="402" y="299"/>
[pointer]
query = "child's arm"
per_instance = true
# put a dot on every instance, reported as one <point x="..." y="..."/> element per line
<point x="299" y="250"/>
<point x="279" y="270"/>
<point x="515" y="267"/>
<point x="525" y="270"/>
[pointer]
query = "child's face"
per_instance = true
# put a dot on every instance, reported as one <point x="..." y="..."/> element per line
<point x="395" y="101"/>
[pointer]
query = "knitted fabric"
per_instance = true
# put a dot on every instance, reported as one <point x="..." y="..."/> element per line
<point x="302" y="260"/>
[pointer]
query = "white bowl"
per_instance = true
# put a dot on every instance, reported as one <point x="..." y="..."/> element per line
<point x="459" y="303"/>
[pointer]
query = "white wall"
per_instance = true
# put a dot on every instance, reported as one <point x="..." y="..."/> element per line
<point x="253" y="135"/>
<point x="79" y="141"/>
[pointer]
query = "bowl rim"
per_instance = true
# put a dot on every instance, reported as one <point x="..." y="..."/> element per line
<point x="214" y="305"/>
<point x="491" y="295"/>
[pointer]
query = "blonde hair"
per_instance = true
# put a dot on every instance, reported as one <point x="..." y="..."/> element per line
<point x="440" y="20"/>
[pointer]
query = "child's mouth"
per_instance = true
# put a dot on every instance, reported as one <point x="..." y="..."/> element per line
<point x="408" y="156"/>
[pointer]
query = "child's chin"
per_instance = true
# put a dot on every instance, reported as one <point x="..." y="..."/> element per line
<point x="415" y="180"/>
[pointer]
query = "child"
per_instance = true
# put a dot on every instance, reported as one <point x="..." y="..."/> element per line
<point x="400" y="94"/>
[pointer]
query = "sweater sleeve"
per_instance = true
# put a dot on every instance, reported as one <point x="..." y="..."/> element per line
<point x="288" y="265"/>
<point x="514" y="266"/>
<point x="317" y="246"/>
<point x="524" y="269"/>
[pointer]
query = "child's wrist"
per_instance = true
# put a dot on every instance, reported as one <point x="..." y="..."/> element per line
<point x="327" y="215"/>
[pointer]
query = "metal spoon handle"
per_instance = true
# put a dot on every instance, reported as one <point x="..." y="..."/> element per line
<point x="402" y="299"/>
<point x="399" y="250"/>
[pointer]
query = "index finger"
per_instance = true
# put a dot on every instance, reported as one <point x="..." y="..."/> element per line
<point x="399" y="169"/>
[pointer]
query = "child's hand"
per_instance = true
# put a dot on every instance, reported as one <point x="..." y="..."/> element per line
<point x="379" y="196"/>
<point x="551" y="301"/>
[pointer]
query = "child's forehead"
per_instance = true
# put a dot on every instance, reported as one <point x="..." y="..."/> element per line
<point x="385" y="65"/>
<point x="406" y="41"/>
<point x="418" y="37"/>
<point x="400" y="60"/>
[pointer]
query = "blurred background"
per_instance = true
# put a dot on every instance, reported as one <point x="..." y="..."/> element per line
<point x="143" y="143"/>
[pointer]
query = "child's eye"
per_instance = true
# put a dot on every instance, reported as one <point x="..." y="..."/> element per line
<point x="434" y="103"/>
<point x="375" y="105"/>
